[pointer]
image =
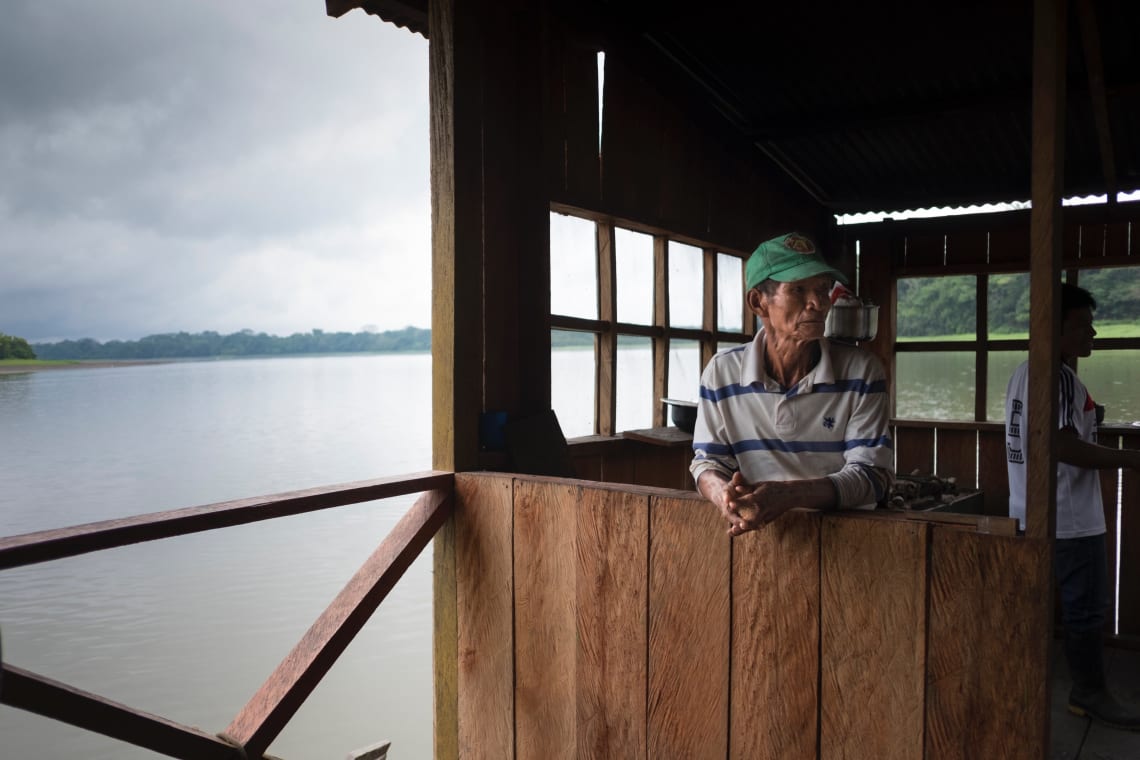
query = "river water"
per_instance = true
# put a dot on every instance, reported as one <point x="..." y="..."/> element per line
<point x="188" y="628"/>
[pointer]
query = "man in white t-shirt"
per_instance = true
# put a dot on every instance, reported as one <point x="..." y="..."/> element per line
<point x="1081" y="560"/>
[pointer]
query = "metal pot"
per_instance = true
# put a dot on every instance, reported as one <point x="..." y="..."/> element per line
<point x="855" y="322"/>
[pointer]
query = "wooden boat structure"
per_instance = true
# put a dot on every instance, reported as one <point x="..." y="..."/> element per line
<point x="607" y="614"/>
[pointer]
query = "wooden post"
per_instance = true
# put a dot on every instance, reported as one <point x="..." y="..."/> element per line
<point x="490" y="260"/>
<point x="1045" y="264"/>
<point x="1045" y="239"/>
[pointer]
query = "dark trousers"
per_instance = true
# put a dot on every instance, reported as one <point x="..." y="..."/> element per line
<point x="1081" y="568"/>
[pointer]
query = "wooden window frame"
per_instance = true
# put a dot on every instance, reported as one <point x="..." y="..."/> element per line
<point x="607" y="329"/>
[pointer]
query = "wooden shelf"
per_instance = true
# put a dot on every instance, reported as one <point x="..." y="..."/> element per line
<point x="661" y="436"/>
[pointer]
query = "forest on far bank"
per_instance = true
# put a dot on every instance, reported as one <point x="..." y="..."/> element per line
<point x="927" y="306"/>
<point x="184" y="345"/>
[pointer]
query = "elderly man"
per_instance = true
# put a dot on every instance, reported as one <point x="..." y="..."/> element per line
<point x="790" y="419"/>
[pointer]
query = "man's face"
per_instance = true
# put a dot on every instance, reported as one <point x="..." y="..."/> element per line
<point x="797" y="310"/>
<point x="1077" y="333"/>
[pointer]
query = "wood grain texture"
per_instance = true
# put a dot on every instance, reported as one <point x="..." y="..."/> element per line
<point x="689" y="571"/>
<point x="775" y="640"/>
<point x="485" y="632"/>
<point x="612" y="598"/>
<point x="545" y="551"/>
<point x="277" y="701"/>
<point x="42" y="546"/>
<point x="987" y="686"/>
<point x="914" y="450"/>
<point x="873" y="637"/>
<point x="29" y="691"/>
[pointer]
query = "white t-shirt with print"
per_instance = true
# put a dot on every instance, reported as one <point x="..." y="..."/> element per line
<point x="1080" y="511"/>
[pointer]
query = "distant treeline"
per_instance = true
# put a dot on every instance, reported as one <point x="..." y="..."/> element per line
<point x="185" y="345"/>
<point x="12" y="347"/>
<point x="946" y="305"/>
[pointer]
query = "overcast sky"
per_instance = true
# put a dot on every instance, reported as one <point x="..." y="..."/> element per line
<point x="210" y="165"/>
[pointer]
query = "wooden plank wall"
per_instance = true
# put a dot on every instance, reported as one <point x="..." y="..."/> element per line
<point x="606" y="622"/>
<point x="663" y="163"/>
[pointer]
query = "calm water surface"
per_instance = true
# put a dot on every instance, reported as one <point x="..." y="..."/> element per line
<point x="188" y="628"/>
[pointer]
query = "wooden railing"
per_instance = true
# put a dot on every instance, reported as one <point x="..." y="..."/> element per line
<point x="270" y="709"/>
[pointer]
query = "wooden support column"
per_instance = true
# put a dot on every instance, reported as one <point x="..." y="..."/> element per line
<point x="1045" y="264"/>
<point x="1045" y="241"/>
<point x="490" y="260"/>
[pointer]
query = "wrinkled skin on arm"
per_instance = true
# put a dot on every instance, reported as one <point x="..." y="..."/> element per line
<point x="750" y="506"/>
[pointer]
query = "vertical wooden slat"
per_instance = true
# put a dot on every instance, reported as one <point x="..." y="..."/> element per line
<point x="914" y="450"/>
<point x="925" y="250"/>
<point x="660" y="319"/>
<point x="612" y="623"/>
<point x="484" y="583"/>
<point x="877" y="285"/>
<point x="967" y="248"/>
<point x="606" y="381"/>
<point x="1116" y="238"/>
<point x="873" y="635"/>
<point x="689" y="569"/>
<point x="1009" y="244"/>
<point x="986" y="682"/>
<point x="545" y="623"/>
<point x="709" y="311"/>
<point x="993" y="479"/>
<point x="775" y="640"/>
<point x="981" y="355"/>
<point x="957" y="456"/>
<point x="1109" y="479"/>
<point x="583" y="167"/>
<point x="631" y="144"/>
<point x="1130" y="560"/>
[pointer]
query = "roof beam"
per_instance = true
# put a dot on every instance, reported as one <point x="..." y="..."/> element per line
<point x="1094" y="65"/>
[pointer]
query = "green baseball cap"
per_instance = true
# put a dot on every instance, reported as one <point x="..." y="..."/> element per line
<point x="787" y="258"/>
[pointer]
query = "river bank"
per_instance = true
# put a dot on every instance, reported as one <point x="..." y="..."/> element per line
<point x="16" y="366"/>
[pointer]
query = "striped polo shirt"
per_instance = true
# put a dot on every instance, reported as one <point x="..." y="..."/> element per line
<point x="833" y="423"/>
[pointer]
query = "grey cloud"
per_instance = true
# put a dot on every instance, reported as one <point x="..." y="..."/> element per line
<point x="195" y="137"/>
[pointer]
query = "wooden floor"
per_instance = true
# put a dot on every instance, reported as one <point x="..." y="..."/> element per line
<point x="1077" y="738"/>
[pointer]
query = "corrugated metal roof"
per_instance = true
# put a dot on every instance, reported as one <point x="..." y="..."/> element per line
<point x="879" y="106"/>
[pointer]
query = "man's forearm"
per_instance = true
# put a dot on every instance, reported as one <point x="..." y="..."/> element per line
<point x="1073" y="451"/>
<point x="711" y="485"/>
